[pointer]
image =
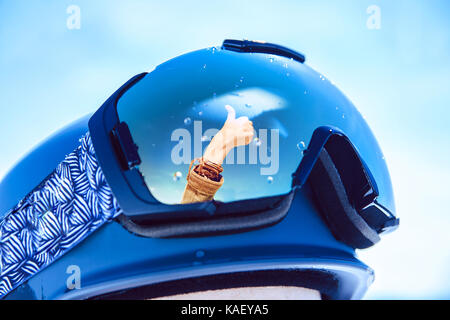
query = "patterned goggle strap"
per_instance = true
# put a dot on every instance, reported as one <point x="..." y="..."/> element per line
<point x="65" y="208"/>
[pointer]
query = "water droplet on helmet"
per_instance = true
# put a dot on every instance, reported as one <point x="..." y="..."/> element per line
<point x="305" y="92"/>
<point x="248" y="105"/>
<point x="200" y="113"/>
<point x="269" y="179"/>
<point x="343" y="116"/>
<point x="301" y="146"/>
<point x="285" y="65"/>
<point x="187" y="121"/>
<point x="288" y="74"/>
<point x="177" y="176"/>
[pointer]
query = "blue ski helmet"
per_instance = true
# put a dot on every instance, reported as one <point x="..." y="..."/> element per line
<point x="297" y="200"/>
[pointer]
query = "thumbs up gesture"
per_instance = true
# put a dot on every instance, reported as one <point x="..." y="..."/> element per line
<point x="237" y="132"/>
<point x="234" y="133"/>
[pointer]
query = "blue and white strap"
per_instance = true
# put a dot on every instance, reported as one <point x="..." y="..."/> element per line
<point x="65" y="208"/>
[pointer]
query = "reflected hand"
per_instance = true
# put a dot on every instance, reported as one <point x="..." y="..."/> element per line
<point x="237" y="132"/>
<point x="234" y="133"/>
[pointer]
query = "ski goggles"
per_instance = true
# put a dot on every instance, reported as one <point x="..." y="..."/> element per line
<point x="148" y="132"/>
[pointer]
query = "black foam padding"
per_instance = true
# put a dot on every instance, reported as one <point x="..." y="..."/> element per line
<point x="342" y="218"/>
<point x="221" y="224"/>
<point x="323" y="281"/>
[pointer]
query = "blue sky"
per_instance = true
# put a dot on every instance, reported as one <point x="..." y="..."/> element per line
<point x="398" y="76"/>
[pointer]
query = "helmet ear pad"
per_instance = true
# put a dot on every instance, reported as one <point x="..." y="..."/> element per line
<point x="331" y="197"/>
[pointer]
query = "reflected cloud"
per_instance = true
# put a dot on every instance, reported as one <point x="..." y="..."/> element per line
<point x="251" y="102"/>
